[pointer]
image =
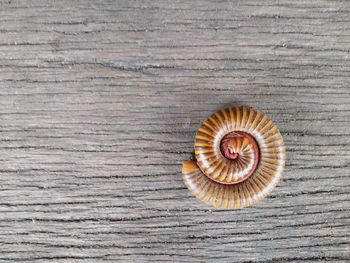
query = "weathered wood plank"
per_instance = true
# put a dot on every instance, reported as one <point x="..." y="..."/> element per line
<point x="99" y="102"/>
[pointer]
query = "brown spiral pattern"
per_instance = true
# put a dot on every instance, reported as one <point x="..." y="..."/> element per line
<point x="242" y="153"/>
<point x="239" y="158"/>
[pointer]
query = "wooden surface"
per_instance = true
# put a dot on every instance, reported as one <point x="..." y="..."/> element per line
<point x="99" y="102"/>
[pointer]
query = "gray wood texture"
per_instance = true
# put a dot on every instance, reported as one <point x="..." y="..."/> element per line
<point x="99" y="103"/>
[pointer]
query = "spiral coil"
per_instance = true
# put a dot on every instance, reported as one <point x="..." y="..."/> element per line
<point x="239" y="158"/>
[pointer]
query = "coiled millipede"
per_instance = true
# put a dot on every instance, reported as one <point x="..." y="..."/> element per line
<point x="239" y="158"/>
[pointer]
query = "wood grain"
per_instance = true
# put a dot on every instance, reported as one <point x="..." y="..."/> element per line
<point x="99" y="103"/>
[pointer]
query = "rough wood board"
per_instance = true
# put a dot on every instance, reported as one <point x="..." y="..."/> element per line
<point x="99" y="102"/>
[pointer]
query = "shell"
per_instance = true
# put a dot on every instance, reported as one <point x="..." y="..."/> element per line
<point x="239" y="158"/>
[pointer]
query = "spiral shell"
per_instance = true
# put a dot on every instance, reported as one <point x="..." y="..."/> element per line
<point x="239" y="158"/>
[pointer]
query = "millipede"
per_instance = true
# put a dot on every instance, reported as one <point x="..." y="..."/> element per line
<point x="239" y="158"/>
